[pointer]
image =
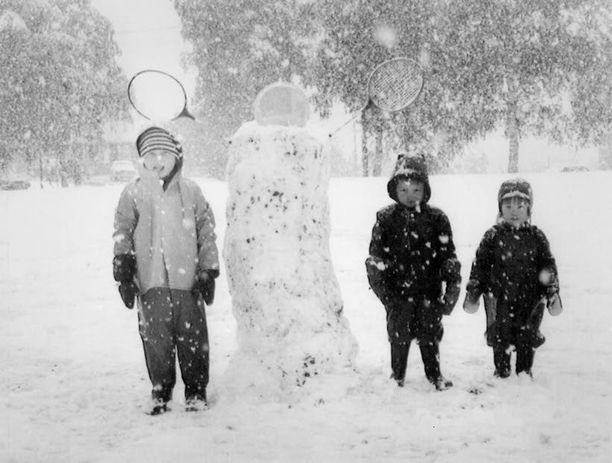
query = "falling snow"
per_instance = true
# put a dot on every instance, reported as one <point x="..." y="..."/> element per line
<point x="74" y="381"/>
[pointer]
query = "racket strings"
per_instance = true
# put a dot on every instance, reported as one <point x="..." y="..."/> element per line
<point x="395" y="84"/>
<point x="157" y="95"/>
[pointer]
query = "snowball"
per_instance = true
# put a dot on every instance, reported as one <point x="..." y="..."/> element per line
<point x="545" y="277"/>
<point x="380" y="265"/>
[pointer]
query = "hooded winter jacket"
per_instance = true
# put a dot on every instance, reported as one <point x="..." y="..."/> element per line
<point x="170" y="229"/>
<point x="412" y="250"/>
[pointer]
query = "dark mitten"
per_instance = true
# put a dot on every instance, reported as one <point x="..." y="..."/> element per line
<point x="377" y="273"/>
<point x="549" y="282"/>
<point x="205" y="284"/>
<point x="451" y="274"/>
<point x="451" y="296"/>
<point x="128" y="291"/>
<point x="552" y="290"/>
<point x="124" y="267"/>
<point x="451" y="271"/>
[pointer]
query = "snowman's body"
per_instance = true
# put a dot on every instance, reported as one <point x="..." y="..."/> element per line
<point x="285" y="295"/>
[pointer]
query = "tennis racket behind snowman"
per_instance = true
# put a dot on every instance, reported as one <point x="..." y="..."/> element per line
<point x="392" y="86"/>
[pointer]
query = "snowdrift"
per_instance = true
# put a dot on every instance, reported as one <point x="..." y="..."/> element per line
<point x="75" y="383"/>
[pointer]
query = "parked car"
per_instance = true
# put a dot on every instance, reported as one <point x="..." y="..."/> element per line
<point x="122" y="171"/>
<point x="575" y="168"/>
<point x="14" y="184"/>
<point x="569" y="167"/>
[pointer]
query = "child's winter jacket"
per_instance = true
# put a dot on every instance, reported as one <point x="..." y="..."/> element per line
<point x="412" y="251"/>
<point x="415" y="250"/>
<point x="506" y="271"/>
<point x="169" y="229"/>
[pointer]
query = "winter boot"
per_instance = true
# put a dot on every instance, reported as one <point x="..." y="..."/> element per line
<point x="524" y="359"/>
<point x="431" y="361"/>
<point x="501" y="359"/>
<point x="399" y="360"/>
<point x="196" y="403"/>
<point x="158" y="407"/>
<point x="442" y="384"/>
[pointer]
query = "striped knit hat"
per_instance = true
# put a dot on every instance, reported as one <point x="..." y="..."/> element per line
<point x="156" y="138"/>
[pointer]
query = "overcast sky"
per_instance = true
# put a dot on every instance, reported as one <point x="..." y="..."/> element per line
<point x="148" y="33"/>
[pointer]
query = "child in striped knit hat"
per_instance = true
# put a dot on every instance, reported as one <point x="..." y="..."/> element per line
<point x="166" y="257"/>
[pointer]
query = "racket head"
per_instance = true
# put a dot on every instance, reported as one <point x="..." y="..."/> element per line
<point x="281" y="103"/>
<point x="157" y="95"/>
<point x="395" y="84"/>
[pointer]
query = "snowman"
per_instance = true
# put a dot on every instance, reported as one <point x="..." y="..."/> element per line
<point x="285" y="296"/>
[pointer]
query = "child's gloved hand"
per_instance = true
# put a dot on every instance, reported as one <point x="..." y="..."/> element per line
<point x="205" y="284"/>
<point x="124" y="267"/>
<point x="551" y="290"/>
<point x="549" y="281"/>
<point x="450" y="298"/>
<point x="377" y="272"/>
<point x="128" y="291"/>
<point x="471" y="303"/>
<point x="124" y="270"/>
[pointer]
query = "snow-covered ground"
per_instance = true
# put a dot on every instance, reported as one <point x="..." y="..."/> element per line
<point x="74" y="381"/>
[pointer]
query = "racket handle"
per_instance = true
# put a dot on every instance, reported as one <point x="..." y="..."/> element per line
<point x="185" y="113"/>
<point x="343" y="125"/>
<point x="353" y="117"/>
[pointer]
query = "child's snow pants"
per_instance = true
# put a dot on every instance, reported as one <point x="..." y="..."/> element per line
<point x="174" y="322"/>
<point x="415" y="319"/>
<point x="518" y="328"/>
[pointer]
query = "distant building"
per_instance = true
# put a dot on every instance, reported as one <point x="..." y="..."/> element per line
<point x="119" y="138"/>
